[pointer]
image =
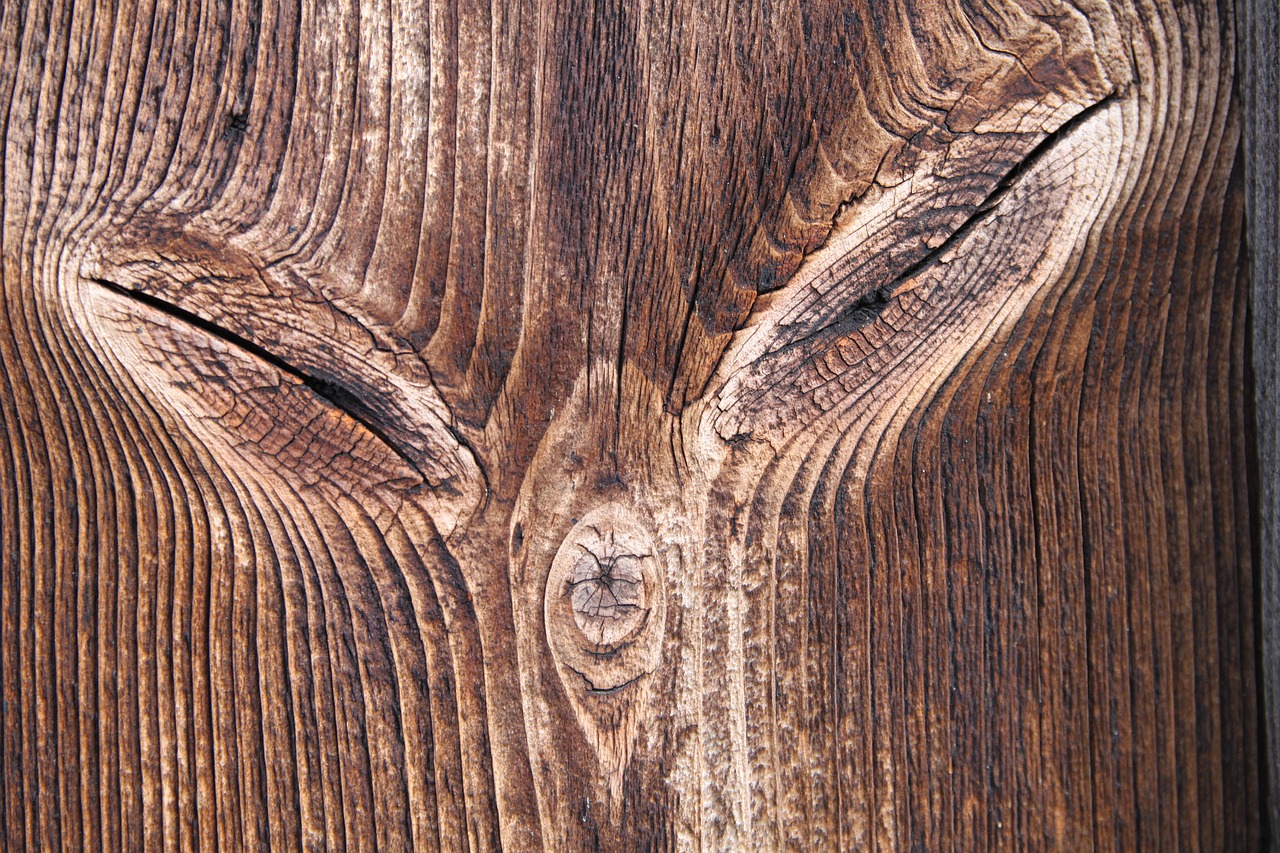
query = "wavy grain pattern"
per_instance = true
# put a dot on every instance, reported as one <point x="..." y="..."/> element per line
<point x="660" y="425"/>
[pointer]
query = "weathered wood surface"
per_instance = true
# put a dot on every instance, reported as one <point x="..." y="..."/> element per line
<point x="664" y="425"/>
<point x="1260" y="66"/>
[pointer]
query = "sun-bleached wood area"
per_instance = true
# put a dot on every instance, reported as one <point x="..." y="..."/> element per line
<point x="625" y="425"/>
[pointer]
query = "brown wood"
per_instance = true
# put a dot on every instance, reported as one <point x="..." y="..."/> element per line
<point x="661" y="425"/>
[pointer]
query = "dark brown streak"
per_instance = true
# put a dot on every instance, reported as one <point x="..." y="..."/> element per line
<point x="340" y="397"/>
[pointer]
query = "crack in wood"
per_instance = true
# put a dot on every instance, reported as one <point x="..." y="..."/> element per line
<point x="336" y="395"/>
<point x="867" y="308"/>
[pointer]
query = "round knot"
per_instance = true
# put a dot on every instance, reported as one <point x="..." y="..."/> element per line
<point x="606" y="592"/>
<point x="604" y="601"/>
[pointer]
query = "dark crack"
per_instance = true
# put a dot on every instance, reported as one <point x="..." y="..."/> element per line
<point x="338" y="396"/>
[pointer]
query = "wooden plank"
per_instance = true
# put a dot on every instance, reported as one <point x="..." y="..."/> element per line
<point x="674" y="424"/>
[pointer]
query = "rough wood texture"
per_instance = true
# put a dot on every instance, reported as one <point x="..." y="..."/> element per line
<point x="660" y="425"/>
<point x="1261" y="88"/>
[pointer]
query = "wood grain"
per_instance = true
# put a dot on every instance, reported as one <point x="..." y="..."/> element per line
<point x="663" y="425"/>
